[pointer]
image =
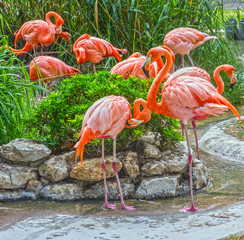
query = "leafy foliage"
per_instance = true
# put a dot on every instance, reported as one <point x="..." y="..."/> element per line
<point x="57" y="120"/>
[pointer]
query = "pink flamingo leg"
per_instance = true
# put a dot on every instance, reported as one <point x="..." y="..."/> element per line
<point x="94" y="67"/>
<point x="34" y="51"/>
<point x="195" y="133"/>
<point x="192" y="208"/>
<point x="189" y="57"/>
<point x="123" y="206"/>
<point x="182" y="59"/>
<point x="106" y="204"/>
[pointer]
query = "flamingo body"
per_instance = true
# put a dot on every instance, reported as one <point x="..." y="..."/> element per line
<point x="93" y="49"/>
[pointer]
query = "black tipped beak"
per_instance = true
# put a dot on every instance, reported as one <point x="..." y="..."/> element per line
<point x="232" y="84"/>
<point x="145" y="72"/>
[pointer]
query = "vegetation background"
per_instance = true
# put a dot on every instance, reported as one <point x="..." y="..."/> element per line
<point x="133" y="24"/>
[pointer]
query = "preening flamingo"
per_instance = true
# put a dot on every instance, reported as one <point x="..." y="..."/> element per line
<point x="39" y="32"/>
<point x="93" y="49"/>
<point x="186" y="98"/>
<point x="28" y="47"/>
<point x="104" y="119"/>
<point x="132" y="67"/>
<point x="183" y="40"/>
<point x="47" y="68"/>
<point x="199" y="72"/>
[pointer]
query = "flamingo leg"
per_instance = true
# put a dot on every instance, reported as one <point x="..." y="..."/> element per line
<point x="195" y="133"/>
<point x="192" y="208"/>
<point x="182" y="59"/>
<point x="34" y="51"/>
<point x="123" y="206"/>
<point x="41" y="49"/>
<point x="94" y="67"/>
<point x="189" y="57"/>
<point x="106" y="205"/>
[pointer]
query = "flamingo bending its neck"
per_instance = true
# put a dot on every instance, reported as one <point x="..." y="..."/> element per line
<point x="186" y="98"/>
<point x="104" y="119"/>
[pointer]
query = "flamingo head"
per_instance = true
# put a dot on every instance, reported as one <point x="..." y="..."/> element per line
<point x="64" y="35"/>
<point x="131" y="123"/>
<point x="230" y="71"/>
<point x="152" y="56"/>
<point x="80" y="54"/>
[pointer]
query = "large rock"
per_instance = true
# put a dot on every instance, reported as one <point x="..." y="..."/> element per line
<point x="216" y="141"/>
<point x="15" y="177"/>
<point x="153" y="168"/>
<point x="16" y="195"/>
<point x="199" y="174"/>
<point x="62" y="191"/>
<point x="130" y="165"/>
<point x="91" y="169"/>
<point x="97" y="190"/>
<point x="158" y="187"/>
<point x="57" y="168"/>
<point x="151" y="151"/>
<point x="151" y="137"/>
<point x="24" y="150"/>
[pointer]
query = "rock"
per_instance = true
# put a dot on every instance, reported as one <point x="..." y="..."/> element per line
<point x="62" y="191"/>
<point x="16" y="195"/>
<point x="130" y="165"/>
<point x="34" y="186"/>
<point x="13" y="177"/>
<point x="151" y="137"/>
<point x="57" y="168"/>
<point x="216" y="141"/>
<point x="199" y="175"/>
<point x="151" y="151"/>
<point x="176" y="163"/>
<point x="153" y="168"/>
<point x="97" y="191"/>
<point x="158" y="187"/>
<point x="91" y="169"/>
<point x="24" y="150"/>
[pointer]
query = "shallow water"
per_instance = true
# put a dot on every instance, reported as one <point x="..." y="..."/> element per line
<point x="225" y="188"/>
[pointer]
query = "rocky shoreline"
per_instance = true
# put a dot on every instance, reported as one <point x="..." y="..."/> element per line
<point x="28" y="170"/>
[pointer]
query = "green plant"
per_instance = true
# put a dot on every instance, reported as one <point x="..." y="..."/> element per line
<point x="57" y="120"/>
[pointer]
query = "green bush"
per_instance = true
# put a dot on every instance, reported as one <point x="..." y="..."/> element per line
<point x="57" y="120"/>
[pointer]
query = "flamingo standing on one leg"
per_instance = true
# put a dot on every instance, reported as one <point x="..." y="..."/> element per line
<point x="132" y="67"/>
<point x="104" y="119"/>
<point x="39" y="32"/>
<point x="93" y="49"/>
<point x="183" y="40"/>
<point x="186" y="98"/>
<point x="47" y="68"/>
<point x="199" y="72"/>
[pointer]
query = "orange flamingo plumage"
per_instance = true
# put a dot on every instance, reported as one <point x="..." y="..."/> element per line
<point x="39" y="32"/>
<point x="93" y="49"/>
<point x="186" y="98"/>
<point x="199" y="72"/>
<point x="183" y="40"/>
<point x="132" y="67"/>
<point x="104" y="119"/>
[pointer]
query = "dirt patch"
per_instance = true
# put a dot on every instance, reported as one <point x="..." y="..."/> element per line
<point x="236" y="130"/>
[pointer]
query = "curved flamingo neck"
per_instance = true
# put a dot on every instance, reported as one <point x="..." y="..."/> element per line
<point x="160" y="64"/>
<point x="218" y="79"/>
<point x="152" y="94"/>
<point x="50" y="37"/>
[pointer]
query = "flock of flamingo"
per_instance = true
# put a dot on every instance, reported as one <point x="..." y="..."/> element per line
<point x="187" y="93"/>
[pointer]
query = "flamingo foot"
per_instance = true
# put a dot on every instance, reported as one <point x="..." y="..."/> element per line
<point x="123" y="206"/>
<point x="111" y="206"/>
<point x="191" y="209"/>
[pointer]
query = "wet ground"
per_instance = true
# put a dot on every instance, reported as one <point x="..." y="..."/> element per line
<point x="220" y="214"/>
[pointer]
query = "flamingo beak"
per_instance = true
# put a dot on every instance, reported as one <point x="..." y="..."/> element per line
<point x="233" y="80"/>
<point x="133" y="122"/>
<point x="59" y="29"/>
<point x="145" y="66"/>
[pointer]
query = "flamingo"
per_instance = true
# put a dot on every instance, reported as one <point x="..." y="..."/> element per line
<point x="39" y="32"/>
<point x="47" y="68"/>
<point x="132" y="67"/>
<point x="28" y="47"/>
<point x="186" y="98"/>
<point x="93" y="49"/>
<point x="104" y="119"/>
<point x="199" y="72"/>
<point x="183" y="40"/>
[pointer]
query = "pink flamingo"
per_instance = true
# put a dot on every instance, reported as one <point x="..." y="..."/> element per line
<point x="104" y="119"/>
<point x="93" y="49"/>
<point x="183" y="40"/>
<point x="186" y="98"/>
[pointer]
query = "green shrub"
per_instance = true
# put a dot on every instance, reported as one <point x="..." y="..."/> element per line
<point x="57" y="120"/>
